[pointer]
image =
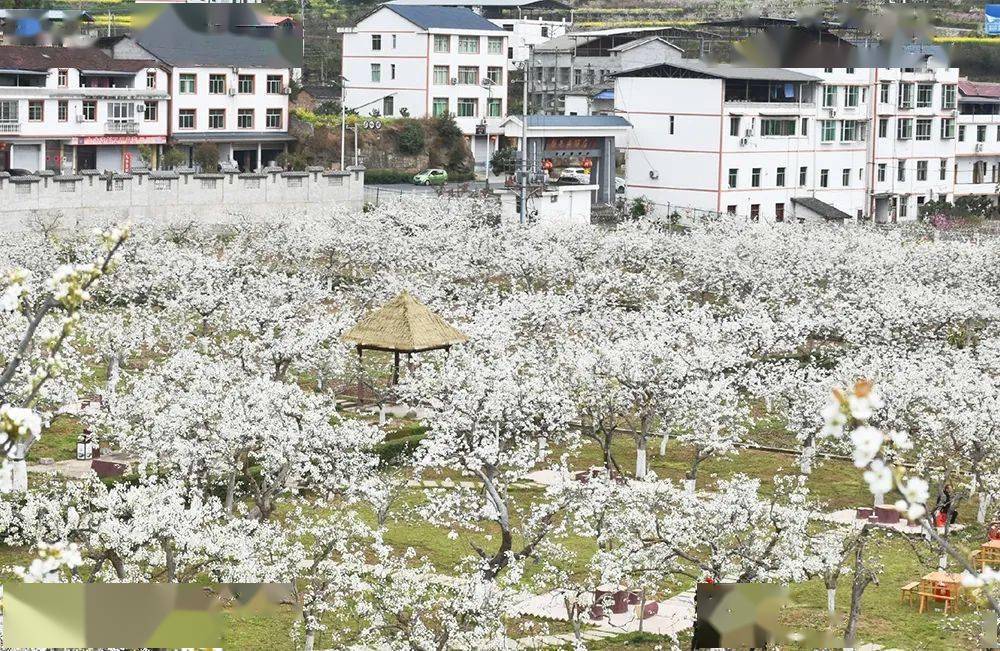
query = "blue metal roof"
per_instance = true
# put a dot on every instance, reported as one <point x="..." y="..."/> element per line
<point x="605" y="94"/>
<point x="577" y="121"/>
<point x="432" y="17"/>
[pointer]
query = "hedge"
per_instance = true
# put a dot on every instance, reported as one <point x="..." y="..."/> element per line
<point x="398" y="450"/>
<point x="389" y="176"/>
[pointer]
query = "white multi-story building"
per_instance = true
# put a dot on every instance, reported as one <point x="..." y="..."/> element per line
<point x="70" y="109"/>
<point x="868" y="142"/>
<point x="228" y="87"/>
<point x="529" y="22"/>
<point x="977" y="165"/>
<point x="418" y="61"/>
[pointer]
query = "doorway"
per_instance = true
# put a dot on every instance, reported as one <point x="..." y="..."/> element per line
<point x="86" y="157"/>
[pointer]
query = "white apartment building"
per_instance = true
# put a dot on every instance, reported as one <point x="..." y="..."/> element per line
<point x="977" y="165"/>
<point x="867" y="142"/>
<point x="418" y="61"/>
<point x="228" y="87"/>
<point x="71" y="109"/>
<point x="529" y="22"/>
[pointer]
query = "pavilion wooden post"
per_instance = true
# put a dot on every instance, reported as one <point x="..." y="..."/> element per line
<point x="361" y="372"/>
<point x="395" y="367"/>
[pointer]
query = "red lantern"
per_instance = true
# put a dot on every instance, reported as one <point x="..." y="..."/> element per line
<point x="587" y="164"/>
<point x="547" y="164"/>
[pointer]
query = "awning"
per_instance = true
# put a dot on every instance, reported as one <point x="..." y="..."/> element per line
<point x="231" y="136"/>
<point x="118" y="140"/>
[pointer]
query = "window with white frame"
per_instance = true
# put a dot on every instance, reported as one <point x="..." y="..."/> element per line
<point x="388" y="106"/>
<point x="883" y="127"/>
<point x="244" y="118"/>
<point x="904" y="128"/>
<point x="151" y="79"/>
<point x="851" y="96"/>
<point x="905" y="95"/>
<point x="376" y="72"/>
<point x="803" y="176"/>
<point x="494" y="45"/>
<point x="209" y="184"/>
<point x="67" y="186"/>
<point x="943" y="171"/>
<point x="495" y="75"/>
<point x="89" y="110"/>
<point x="121" y="111"/>
<point x="829" y="96"/>
<point x="778" y="126"/>
<point x="884" y="90"/>
<point x="948" y="96"/>
<point x="63" y="110"/>
<point x="734" y="176"/>
<point x="824" y="178"/>
<point x="468" y="45"/>
<point x="881" y="172"/>
<point x="924" y="126"/>
<point x="150" y="111"/>
<point x="441" y="77"/>
<point x="439" y="106"/>
<point x="217" y="84"/>
<point x="274" y="118"/>
<point x="468" y="75"/>
<point x="925" y="95"/>
<point x="8" y="111"/>
<point x="755" y="177"/>
<point x="829" y="132"/>
<point x="186" y="119"/>
<point x="442" y="43"/>
<point x="467" y="107"/>
<point x="187" y="83"/>
<point x="63" y="78"/>
<point x="275" y="84"/>
<point x="36" y="110"/>
<point x="779" y="177"/>
<point x="845" y="177"/>
<point x="216" y="118"/>
<point x="947" y="128"/>
<point x="494" y="107"/>
<point x="849" y="130"/>
<point x="245" y="84"/>
<point x="901" y="170"/>
<point x="376" y="42"/>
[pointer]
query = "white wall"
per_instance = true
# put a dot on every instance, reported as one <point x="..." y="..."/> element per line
<point x="202" y="101"/>
<point x="413" y="85"/>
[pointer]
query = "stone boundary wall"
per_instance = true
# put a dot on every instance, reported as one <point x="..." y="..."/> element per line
<point x="93" y="198"/>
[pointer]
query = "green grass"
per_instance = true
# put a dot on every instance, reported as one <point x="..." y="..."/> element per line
<point x="58" y="440"/>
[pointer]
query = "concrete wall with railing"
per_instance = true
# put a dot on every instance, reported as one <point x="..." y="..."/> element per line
<point x="92" y="198"/>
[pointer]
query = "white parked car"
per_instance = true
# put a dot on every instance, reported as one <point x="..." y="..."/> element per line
<point x="574" y="175"/>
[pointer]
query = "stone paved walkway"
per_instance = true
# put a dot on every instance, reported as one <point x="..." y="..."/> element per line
<point x="847" y="516"/>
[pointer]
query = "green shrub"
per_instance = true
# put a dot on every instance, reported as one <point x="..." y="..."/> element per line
<point x="172" y="157"/>
<point x="503" y="160"/>
<point x="206" y="155"/>
<point x="411" y="138"/>
<point x="389" y="176"/>
<point x="330" y="107"/>
<point x="398" y="450"/>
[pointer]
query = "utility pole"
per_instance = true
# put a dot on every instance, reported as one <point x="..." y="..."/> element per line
<point x="524" y="139"/>
<point x="343" y="119"/>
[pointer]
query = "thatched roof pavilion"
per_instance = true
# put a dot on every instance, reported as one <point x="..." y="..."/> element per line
<point x="403" y="325"/>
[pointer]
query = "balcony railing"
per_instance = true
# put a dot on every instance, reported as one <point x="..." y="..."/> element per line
<point x="122" y="126"/>
<point x="10" y="127"/>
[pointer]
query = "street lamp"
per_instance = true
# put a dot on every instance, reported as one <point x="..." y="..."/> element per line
<point x="343" y="119"/>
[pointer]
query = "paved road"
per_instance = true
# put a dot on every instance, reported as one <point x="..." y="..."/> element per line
<point x="407" y="188"/>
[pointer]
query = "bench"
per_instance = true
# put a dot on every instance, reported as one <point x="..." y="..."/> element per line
<point x="976" y="558"/>
<point x="946" y="598"/>
<point x="906" y="592"/>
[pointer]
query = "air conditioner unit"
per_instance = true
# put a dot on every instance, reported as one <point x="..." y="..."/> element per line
<point x="979" y="146"/>
<point x="235" y="69"/>
<point x="744" y="141"/>
<point x="653" y="174"/>
<point x="79" y="117"/>
<point x="454" y="81"/>
<point x="232" y="92"/>
<point x="748" y="133"/>
<point x="832" y="112"/>
<point x="140" y="106"/>
<point x="286" y="90"/>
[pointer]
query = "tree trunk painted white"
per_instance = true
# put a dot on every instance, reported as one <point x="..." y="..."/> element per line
<point x="640" y="460"/>
<point x="689" y="485"/>
<point x="943" y="562"/>
<point x="879" y="499"/>
<point x="663" y="444"/>
<point x="539" y="449"/>
<point x="381" y="415"/>
<point x="984" y="507"/>
<point x="114" y="368"/>
<point x="310" y="640"/>
<point x="831" y="600"/>
<point x="19" y="476"/>
<point x="230" y="490"/>
<point x="806" y="459"/>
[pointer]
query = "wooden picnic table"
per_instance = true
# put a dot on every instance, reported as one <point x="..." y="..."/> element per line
<point x="989" y="554"/>
<point x="940" y="586"/>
